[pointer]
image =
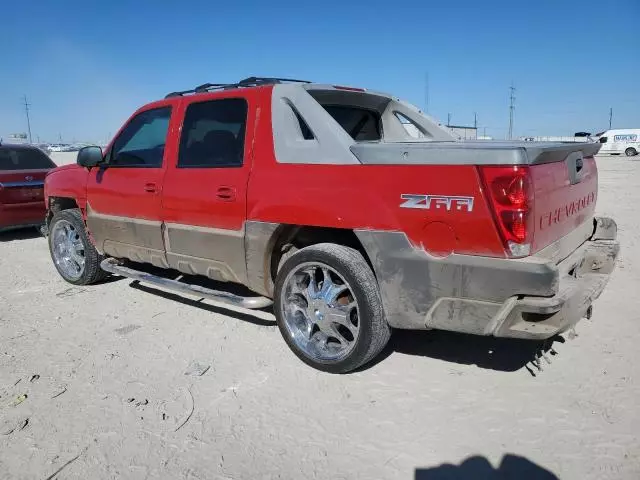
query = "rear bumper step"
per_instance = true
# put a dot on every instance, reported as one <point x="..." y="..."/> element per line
<point x="112" y="265"/>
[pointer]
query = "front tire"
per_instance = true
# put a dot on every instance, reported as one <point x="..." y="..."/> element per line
<point x="328" y="308"/>
<point x="73" y="255"/>
<point x="630" y="152"/>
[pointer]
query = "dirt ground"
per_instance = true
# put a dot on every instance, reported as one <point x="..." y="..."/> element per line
<point x="93" y="385"/>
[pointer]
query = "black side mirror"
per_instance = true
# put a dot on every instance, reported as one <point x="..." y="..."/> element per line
<point x="89" y="157"/>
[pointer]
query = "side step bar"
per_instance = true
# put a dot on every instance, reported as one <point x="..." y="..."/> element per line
<point x="111" y="265"/>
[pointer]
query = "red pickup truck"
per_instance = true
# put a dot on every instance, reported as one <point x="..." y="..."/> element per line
<point x="349" y="210"/>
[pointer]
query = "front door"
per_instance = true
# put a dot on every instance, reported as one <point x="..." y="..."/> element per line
<point x="124" y="193"/>
<point x="204" y="194"/>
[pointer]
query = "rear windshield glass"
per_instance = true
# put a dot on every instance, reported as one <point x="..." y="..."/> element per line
<point x="23" y="159"/>
<point x="362" y="124"/>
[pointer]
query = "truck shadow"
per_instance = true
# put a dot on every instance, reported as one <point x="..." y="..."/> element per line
<point x="245" y="317"/>
<point x="501" y="354"/>
<point x="479" y="468"/>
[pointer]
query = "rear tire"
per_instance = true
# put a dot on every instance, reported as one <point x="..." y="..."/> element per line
<point x="328" y="308"/>
<point x="630" y="152"/>
<point x="73" y="254"/>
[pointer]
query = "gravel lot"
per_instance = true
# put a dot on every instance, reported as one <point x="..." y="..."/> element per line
<point x="92" y="380"/>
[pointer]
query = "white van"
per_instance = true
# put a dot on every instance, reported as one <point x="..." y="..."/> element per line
<point x="615" y="142"/>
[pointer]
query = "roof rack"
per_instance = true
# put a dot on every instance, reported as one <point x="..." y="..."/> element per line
<point x="247" y="82"/>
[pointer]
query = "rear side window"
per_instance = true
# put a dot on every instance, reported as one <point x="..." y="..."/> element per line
<point x="23" y="159"/>
<point x="213" y="134"/>
<point x="141" y="143"/>
<point x="409" y="126"/>
<point x="362" y="124"/>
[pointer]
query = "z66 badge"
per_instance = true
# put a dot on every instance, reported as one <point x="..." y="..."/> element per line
<point x="437" y="202"/>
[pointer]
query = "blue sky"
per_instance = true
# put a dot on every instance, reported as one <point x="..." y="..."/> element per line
<point x="86" y="68"/>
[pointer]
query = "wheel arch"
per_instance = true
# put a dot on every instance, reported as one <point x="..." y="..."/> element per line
<point x="57" y="204"/>
<point x="268" y="249"/>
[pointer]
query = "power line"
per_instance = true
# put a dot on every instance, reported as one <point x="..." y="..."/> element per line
<point x="26" y="111"/>
<point x="512" y="107"/>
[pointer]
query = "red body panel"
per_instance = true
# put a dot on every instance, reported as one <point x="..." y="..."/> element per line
<point x="68" y="181"/>
<point x="369" y="197"/>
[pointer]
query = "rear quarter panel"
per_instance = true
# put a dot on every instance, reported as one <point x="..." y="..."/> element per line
<point x="369" y="197"/>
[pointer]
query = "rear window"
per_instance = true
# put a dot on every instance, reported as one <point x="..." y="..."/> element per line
<point x="24" y="159"/>
<point x="362" y="124"/>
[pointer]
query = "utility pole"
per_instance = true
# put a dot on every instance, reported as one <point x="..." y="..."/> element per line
<point x="485" y="132"/>
<point x="26" y="111"/>
<point x="610" y="117"/>
<point x="475" y="120"/>
<point x="426" y="92"/>
<point x="448" y="120"/>
<point x="512" y="107"/>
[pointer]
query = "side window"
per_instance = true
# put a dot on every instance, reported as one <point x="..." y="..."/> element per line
<point x="213" y="134"/>
<point x="409" y="126"/>
<point x="362" y="124"/>
<point x="141" y="143"/>
<point x="603" y="140"/>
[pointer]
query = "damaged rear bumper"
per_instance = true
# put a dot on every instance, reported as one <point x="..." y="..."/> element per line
<point x="532" y="298"/>
<point x="583" y="277"/>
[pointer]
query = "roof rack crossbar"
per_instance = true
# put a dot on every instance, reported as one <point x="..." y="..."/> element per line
<point x="269" y="80"/>
<point x="247" y="82"/>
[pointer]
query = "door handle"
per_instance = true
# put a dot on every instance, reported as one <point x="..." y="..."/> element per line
<point x="226" y="194"/>
<point x="150" y="187"/>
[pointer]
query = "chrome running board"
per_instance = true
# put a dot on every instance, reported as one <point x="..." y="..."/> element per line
<point x="111" y="265"/>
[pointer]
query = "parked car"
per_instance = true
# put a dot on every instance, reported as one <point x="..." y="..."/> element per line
<point x="22" y="172"/>
<point x="319" y="200"/>
<point x="616" y="142"/>
<point x="45" y="148"/>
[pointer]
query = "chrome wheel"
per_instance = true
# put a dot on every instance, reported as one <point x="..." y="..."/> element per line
<point x="68" y="250"/>
<point x="320" y="312"/>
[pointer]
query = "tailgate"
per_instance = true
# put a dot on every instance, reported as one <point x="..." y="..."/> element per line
<point x="21" y="186"/>
<point x="565" y="200"/>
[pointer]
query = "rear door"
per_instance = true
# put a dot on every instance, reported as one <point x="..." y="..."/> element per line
<point x="22" y="172"/>
<point x="204" y="194"/>
<point x="124" y="194"/>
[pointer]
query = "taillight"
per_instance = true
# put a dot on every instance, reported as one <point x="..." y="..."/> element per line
<point x="510" y="192"/>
